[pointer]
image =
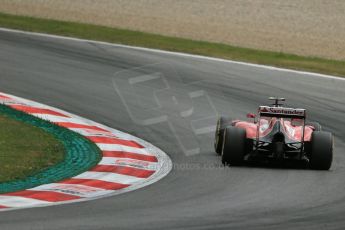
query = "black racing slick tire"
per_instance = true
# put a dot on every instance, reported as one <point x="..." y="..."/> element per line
<point x="222" y="123"/>
<point x="321" y="150"/>
<point x="234" y="146"/>
<point x="316" y="125"/>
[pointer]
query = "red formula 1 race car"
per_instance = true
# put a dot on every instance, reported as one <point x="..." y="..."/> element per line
<point x="278" y="133"/>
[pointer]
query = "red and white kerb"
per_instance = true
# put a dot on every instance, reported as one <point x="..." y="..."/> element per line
<point x="127" y="162"/>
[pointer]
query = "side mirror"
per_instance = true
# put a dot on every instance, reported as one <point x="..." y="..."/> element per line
<point x="251" y="115"/>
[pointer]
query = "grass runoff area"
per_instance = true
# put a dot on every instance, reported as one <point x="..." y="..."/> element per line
<point x="135" y="38"/>
<point x="25" y="149"/>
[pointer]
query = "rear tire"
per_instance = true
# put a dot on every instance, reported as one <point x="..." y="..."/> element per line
<point x="234" y="146"/>
<point x="316" y="125"/>
<point x="222" y="123"/>
<point x="321" y="151"/>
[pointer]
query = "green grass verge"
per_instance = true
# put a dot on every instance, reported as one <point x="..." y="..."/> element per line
<point x="25" y="149"/>
<point x="79" y="153"/>
<point x="135" y="38"/>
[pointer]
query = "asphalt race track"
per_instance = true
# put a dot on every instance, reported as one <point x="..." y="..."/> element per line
<point x="172" y="101"/>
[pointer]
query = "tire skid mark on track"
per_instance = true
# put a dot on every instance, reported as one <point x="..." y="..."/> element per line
<point x="127" y="163"/>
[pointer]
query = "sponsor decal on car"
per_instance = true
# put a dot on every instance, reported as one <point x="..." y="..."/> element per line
<point x="281" y="110"/>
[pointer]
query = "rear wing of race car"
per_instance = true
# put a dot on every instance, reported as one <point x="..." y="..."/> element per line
<point x="267" y="111"/>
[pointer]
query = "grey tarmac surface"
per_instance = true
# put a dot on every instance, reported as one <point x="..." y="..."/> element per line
<point x="172" y="101"/>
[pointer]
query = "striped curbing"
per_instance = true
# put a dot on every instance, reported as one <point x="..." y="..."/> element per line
<point x="81" y="154"/>
<point x="127" y="162"/>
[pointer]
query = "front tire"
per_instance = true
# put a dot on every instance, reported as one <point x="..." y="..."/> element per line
<point x="234" y="146"/>
<point x="321" y="151"/>
<point x="222" y="123"/>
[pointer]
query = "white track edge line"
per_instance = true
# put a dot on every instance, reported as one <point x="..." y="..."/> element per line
<point x="174" y="53"/>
